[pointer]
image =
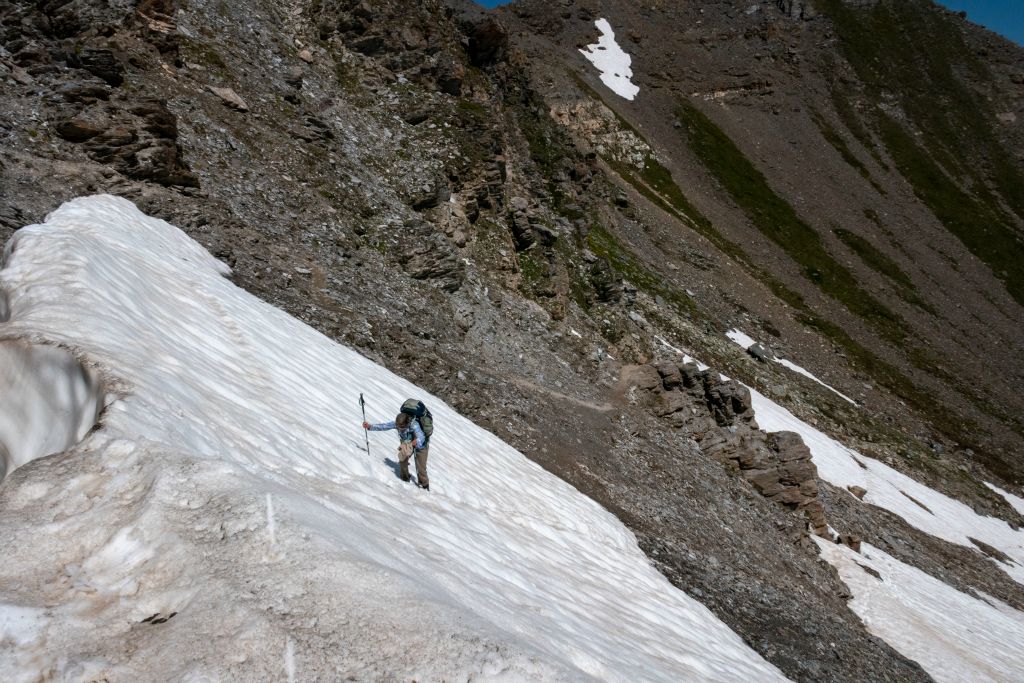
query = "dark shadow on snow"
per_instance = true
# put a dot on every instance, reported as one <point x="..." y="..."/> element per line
<point x="393" y="464"/>
<point x="49" y="402"/>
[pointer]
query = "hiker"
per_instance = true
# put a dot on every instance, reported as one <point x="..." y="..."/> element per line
<point x="414" y="437"/>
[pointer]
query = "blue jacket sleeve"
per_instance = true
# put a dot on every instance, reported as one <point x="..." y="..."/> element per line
<point x="420" y="439"/>
<point x="383" y="426"/>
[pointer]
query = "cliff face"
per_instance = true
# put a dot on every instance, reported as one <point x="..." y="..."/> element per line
<point x="458" y="195"/>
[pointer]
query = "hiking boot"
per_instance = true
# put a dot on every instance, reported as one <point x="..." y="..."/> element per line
<point x="425" y="487"/>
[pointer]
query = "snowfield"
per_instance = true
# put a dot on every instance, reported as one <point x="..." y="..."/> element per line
<point x="612" y="61"/>
<point x="956" y="637"/>
<point x="952" y="635"/>
<point x="923" y="507"/>
<point x="225" y="522"/>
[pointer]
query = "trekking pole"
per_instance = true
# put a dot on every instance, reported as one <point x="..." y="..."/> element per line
<point x="362" y="404"/>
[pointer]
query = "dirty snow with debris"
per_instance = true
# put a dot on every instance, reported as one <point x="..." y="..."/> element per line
<point x="1016" y="502"/>
<point x="954" y="636"/>
<point x="612" y="61"/>
<point x="747" y="341"/>
<point x="226" y="521"/>
<point x="921" y="506"/>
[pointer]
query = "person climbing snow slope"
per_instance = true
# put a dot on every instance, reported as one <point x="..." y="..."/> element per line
<point x="415" y="426"/>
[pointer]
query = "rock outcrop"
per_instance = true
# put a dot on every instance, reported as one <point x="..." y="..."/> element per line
<point x="428" y="255"/>
<point x="717" y="413"/>
<point x="138" y="140"/>
<point x="488" y="42"/>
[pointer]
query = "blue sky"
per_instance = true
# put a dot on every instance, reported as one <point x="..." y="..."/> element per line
<point x="1002" y="16"/>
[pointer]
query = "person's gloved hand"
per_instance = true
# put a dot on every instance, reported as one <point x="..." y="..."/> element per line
<point x="405" y="450"/>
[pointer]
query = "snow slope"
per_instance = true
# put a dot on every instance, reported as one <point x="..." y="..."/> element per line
<point x="952" y="635"/>
<point x="1016" y="502"/>
<point x="227" y="511"/>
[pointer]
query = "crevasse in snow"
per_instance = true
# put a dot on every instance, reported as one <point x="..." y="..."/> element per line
<point x="227" y="507"/>
<point x="48" y="401"/>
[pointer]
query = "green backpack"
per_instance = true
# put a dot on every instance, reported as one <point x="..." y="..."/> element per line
<point x="419" y="411"/>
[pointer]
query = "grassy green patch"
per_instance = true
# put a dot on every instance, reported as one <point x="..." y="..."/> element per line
<point x="347" y="75"/>
<point x="953" y="156"/>
<point x="833" y="138"/>
<point x="474" y="108"/>
<point x="604" y="245"/>
<point x="544" y="140"/>
<point x="880" y="262"/>
<point x="947" y="421"/>
<point x="977" y="224"/>
<point x="581" y="286"/>
<point x="204" y="55"/>
<point x="778" y="221"/>
<point x="535" y="273"/>
<point x="470" y="134"/>
<point x="780" y="290"/>
<point x="655" y="183"/>
<point x="848" y="115"/>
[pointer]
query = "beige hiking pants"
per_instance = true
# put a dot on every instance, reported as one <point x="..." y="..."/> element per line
<point x="421" y="465"/>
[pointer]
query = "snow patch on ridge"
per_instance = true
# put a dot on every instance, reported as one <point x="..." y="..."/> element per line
<point x="1016" y="502"/>
<point x="48" y="402"/>
<point x="612" y="61"/>
<point x="747" y="341"/>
